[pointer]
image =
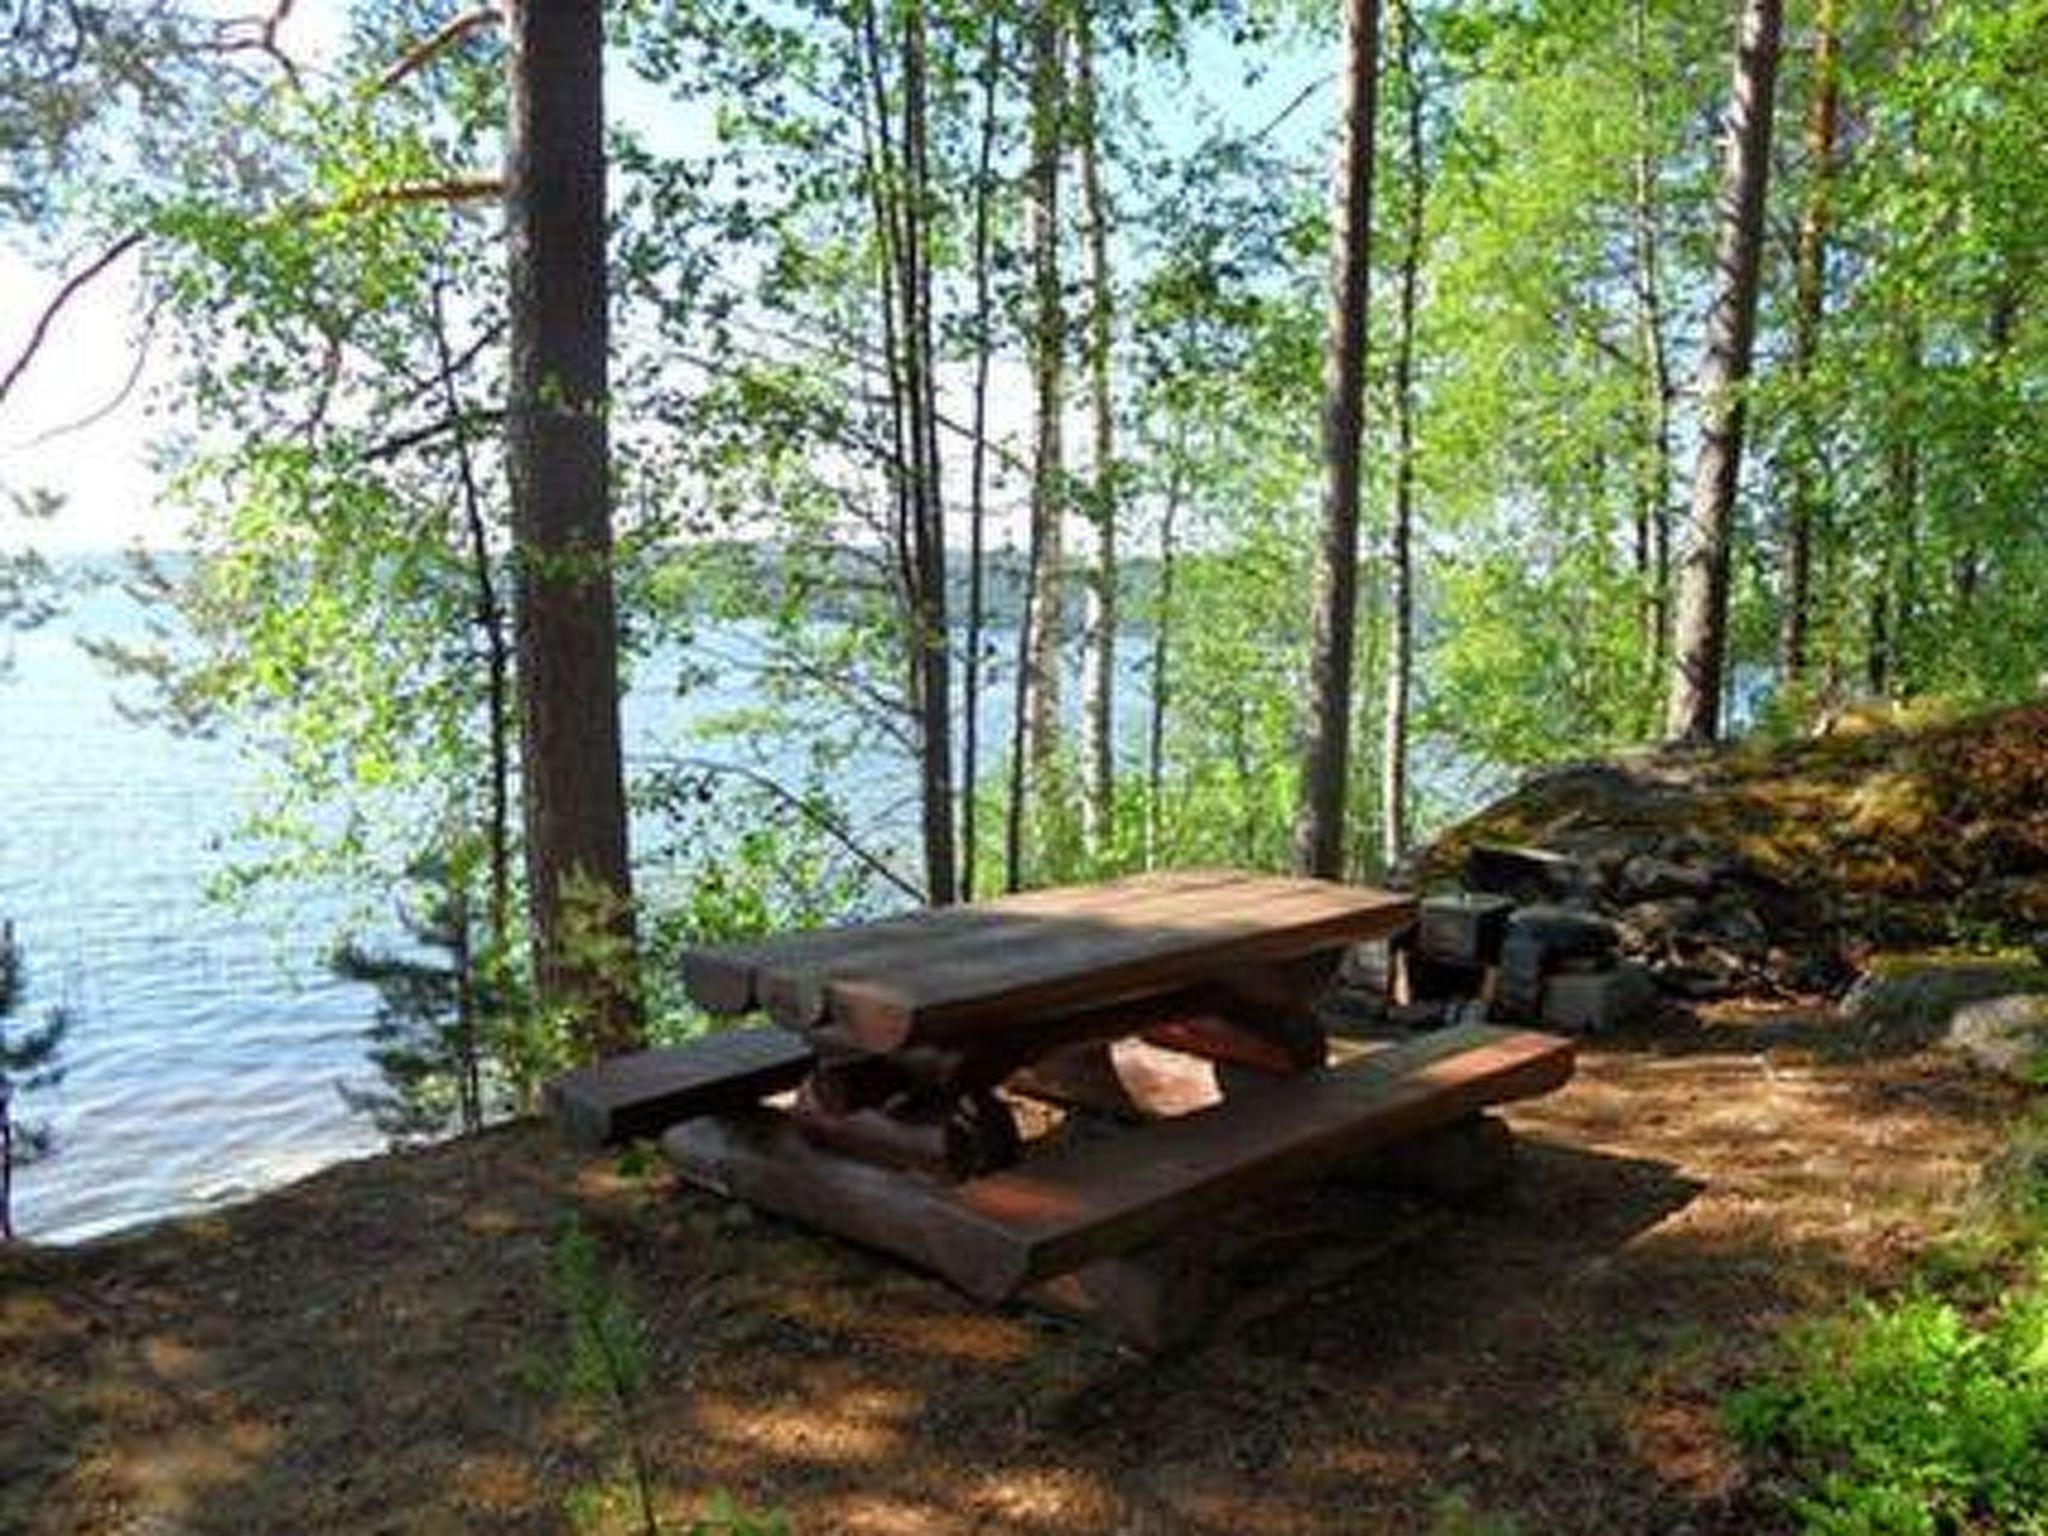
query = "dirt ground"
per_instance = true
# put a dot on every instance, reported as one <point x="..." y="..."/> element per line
<point x="374" y="1349"/>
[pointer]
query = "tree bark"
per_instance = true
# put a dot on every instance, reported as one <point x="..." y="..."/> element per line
<point x="1162" y="634"/>
<point x="1653" y="494"/>
<point x="557" y="450"/>
<point x="1400" y="554"/>
<point x="1700" y="658"/>
<point x="1319" y="836"/>
<point x="934" y="670"/>
<point x="1043" y="636"/>
<point x="1803" y="505"/>
<point x="977" y="472"/>
<point x="1098" y="668"/>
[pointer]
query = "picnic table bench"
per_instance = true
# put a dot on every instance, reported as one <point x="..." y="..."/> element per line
<point x="877" y="1103"/>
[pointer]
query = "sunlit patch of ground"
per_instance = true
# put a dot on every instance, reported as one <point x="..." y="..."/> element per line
<point x="378" y="1349"/>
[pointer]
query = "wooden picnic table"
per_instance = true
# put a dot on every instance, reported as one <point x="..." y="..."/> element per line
<point x="879" y="1102"/>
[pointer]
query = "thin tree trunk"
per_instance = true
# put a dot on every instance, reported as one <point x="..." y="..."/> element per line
<point x="928" y="528"/>
<point x="1319" y="837"/>
<point x="1162" y="626"/>
<point x="579" y="880"/>
<point x="1401" y="560"/>
<point x="1701" y="643"/>
<point x="487" y="614"/>
<point x="1098" y="671"/>
<point x="977" y="473"/>
<point x="1042" y="636"/>
<point x="1803" y="504"/>
<point x="1653" y="495"/>
<point x="898" y="189"/>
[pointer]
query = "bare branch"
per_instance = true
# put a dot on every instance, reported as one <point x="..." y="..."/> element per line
<point x="100" y="413"/>
<point x="428" y="49"/>
<point x="70" y="290"/>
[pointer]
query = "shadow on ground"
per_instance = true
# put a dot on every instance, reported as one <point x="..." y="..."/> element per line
<point x="373" y="1350"/>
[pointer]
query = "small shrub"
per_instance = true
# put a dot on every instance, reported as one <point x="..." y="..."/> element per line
<point x="1912" y="1417"/>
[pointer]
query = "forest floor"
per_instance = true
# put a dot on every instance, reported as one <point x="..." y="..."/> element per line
<point x="377" y="1349"/>
<point x="380" y="1348"/>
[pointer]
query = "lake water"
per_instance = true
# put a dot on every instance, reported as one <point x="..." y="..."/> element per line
<point x="207" y="1045"/>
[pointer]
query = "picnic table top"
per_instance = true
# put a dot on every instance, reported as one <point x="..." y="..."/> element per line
<point x="944" y="973"/>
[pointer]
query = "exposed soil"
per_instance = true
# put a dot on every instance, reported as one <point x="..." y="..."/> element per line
<point x="372" y="1350"/>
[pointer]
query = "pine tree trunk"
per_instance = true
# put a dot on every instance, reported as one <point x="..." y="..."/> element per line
<point x="1803" y="504"/>
<point x="1700" y="658"/>
<point x="558" y="459"/>
<point x="1400" y="557"/>
<point x="1098" y="668"/>
<point x="1319" y="837"/>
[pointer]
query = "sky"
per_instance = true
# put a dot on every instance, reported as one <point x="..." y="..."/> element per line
<point x="102" y="470"/>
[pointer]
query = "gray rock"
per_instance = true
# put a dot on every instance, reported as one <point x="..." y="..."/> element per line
<point x="2007" y="1036"/>
<point x="1593" y="1002"/>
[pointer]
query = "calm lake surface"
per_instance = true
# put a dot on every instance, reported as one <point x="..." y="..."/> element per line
<point x="207" y="1044"/>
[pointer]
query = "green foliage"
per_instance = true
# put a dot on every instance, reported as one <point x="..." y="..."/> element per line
<point x="1926" y="1413"/>
<point x="606" y="1366"/>
<point x="1912" y="1417"/>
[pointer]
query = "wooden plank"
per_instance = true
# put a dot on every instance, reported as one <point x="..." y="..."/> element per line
<point x="995" y="1235"/>
<point x="794" y="988"/>
<point x="645" y="1092"/>
<point x="1051" y="963"/>
<point x="1071" y="1207"/>
<point x="729" y="978"/>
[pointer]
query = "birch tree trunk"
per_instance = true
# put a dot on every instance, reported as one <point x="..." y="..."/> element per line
<point x="1098" y="666"/>
<point x="1043" y="634"/>
<point x="977" y="471"/>
<point x="1700" y="656"/>
<point x="1319" y="836"/>
<point x="558" y="460"/>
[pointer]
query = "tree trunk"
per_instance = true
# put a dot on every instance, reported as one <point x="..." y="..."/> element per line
<point x="1701" y="643"/>
<point x="928" y="524"/>
<point x="977" y="473"/>
<point x="1098" y="667"/>
<point x="1042" y="637"/>
<point x="1653" y="493"/>
<point x="1400" y="556"/>
<point x="1803" y="504"/>
<point x="1319" y="837"/>
<point x="580" y="886"/>
<point x="1162" y="632"/>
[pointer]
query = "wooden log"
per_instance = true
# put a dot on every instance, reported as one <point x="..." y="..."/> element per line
<point x="1128" y="1079"/>
<point x="994" y="1235"/>
<point x="948" y="1138"/>
<point x="1068" y="1208"/>
<point x="643" y="1093"/>
<point x="1080" y="963"/>
<point x="1151" y="1301"/>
